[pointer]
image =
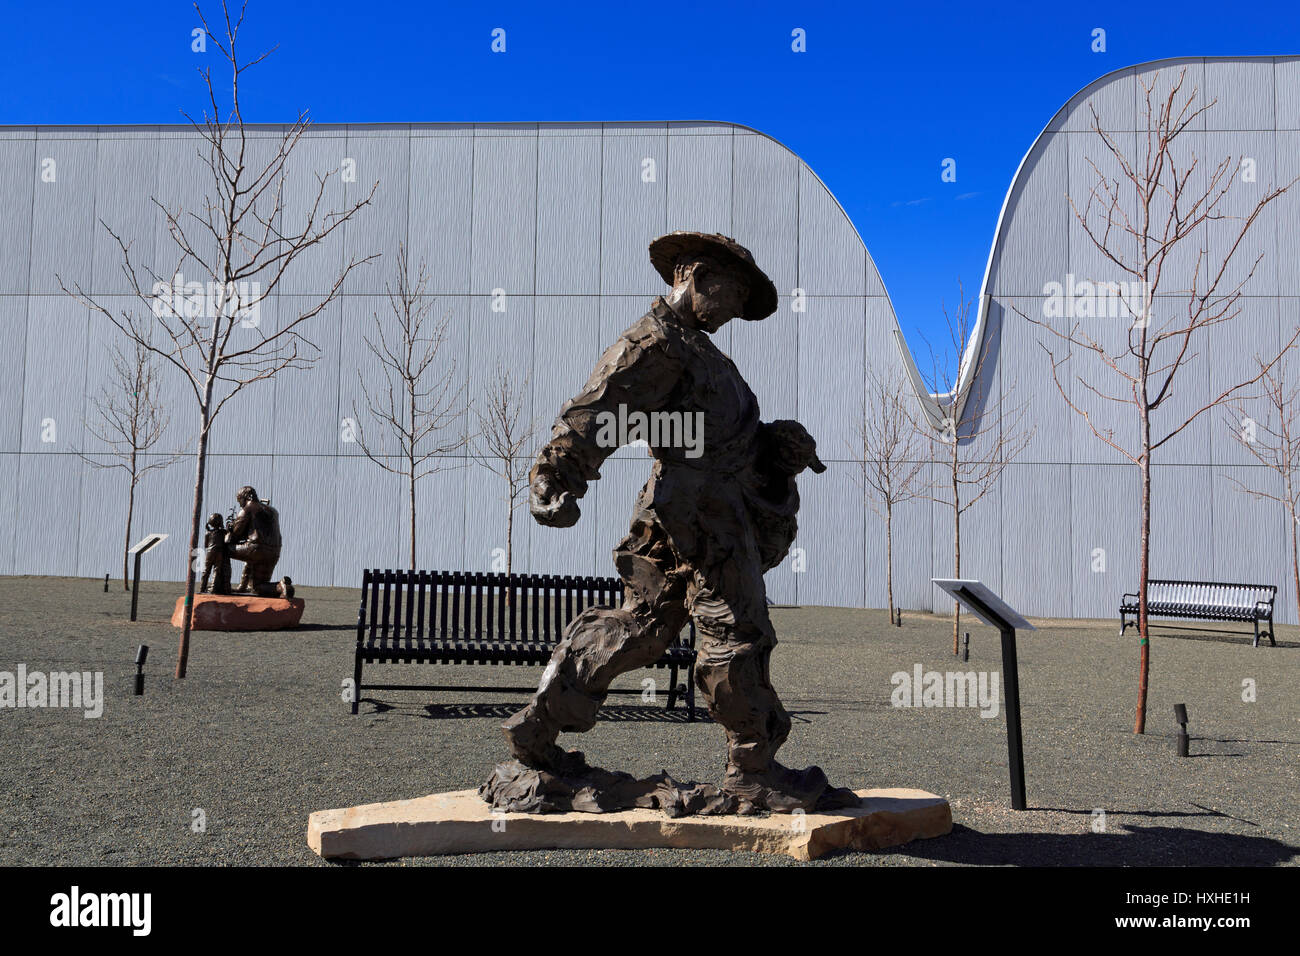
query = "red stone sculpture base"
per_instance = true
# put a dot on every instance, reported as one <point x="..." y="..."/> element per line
<point x="239" y="612"/>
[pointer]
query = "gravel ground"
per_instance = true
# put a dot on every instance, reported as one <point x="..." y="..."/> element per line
<point x="258" y="736"/>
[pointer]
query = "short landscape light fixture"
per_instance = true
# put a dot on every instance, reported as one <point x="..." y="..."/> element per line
<point x="141" y="654"/>
<point x="965" y="647"/>
<point x="106" y="584"/>
<point x="1180" y="715"/>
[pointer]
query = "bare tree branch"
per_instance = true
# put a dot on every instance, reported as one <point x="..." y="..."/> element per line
<point x="504" y="441"/>
<point x="968" y="424"/>
<point x="1168" y="214"/>
<point x="420" y="399"/>
<point x="891" y="456"/>
<point x="129" y="422"/>
<point x="237" y="246"/>
<point x="1275" y="444"/>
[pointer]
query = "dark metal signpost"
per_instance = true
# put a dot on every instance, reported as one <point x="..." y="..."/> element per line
<point x="995" y="612"/>
<point x="141" y="546"/>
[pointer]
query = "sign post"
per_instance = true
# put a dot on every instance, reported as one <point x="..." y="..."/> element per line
<point x="140" y="547"/>
<point x="995" y="612"/>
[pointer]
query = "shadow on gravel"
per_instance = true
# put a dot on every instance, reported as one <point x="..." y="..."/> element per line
<point x="628" y="713"/>
<point x="1245" y="638"/>
<point x="1157" y="814"/>
<point x="616" y="714"/>
<point x="1246" y="740"/>
<point x="1134" y="846"/>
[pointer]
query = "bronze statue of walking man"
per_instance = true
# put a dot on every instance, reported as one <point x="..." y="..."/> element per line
<point x="710" y="521"/>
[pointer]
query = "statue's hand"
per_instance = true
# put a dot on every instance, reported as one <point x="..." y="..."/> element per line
<point x="550" y="504"/>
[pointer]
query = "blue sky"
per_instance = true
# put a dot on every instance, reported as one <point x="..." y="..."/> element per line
<point x="881" y="97"/>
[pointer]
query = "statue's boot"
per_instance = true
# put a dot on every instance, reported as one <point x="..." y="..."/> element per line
<point x="779" y="789"/>
<point x="783" y="790"/>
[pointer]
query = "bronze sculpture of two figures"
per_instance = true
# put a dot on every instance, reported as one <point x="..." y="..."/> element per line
<point x="253" y="537"/>
<point x="707" y="525"/>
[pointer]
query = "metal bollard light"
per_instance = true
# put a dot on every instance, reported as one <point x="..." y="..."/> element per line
<point x="1180" y="715"/>
<point x="965" y="648"/>
<point x="142" y="652"/>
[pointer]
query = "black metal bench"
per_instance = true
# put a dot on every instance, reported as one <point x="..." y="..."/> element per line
<point x="452" y="617"/>
<point x="1205" y="601"/>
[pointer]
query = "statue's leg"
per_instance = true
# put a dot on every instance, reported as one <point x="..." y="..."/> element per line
<point x="263" y="569"/>
<point x="733" y="674"/>
<point x="732" y="669"/>
<point x="247" y="556"/>
<point x="259" y="566"/>
<point x="599" y="645"/>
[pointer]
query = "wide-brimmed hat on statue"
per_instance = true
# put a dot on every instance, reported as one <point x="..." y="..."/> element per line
<point x="667" y="250"/>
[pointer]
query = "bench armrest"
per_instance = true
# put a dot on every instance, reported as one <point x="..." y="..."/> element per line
<point x="1132" y="595"/>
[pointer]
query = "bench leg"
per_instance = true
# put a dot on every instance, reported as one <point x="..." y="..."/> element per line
<point x="1124" y="623"/>
<point x="672" y="688"/>
<point x="690" y="693"/>
<point x="356" y="684"/>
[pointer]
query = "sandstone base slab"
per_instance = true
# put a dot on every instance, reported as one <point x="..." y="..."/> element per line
<point x="460" y="822"/>
<point x="239" y="612"/>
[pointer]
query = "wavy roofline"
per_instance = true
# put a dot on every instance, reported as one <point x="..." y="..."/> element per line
<point x="930" y="402"/>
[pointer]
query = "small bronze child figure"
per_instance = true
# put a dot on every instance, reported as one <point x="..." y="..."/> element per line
<point x="216" y="560"/>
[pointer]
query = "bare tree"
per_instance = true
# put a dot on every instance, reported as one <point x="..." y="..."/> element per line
<point x="504" y="442"/>
<point x="1142" y="220"/>
<point x="972" y="443"/>
<point x="129" y="422"/>
<point x="892" y="459"/>
<point x="240" y="241"/>
<point x="1276" y="446"/>
<point x="420" y="398"/>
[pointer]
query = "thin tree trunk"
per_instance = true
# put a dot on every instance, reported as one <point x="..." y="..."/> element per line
<point x="889" y="558"/>
<point x="130" y="511"/>
<point x="956" y="572"/>
<point x="1144" y="574"/>
<point x="1295" y="555"/>
<point x="510" y="530"/>
<point x="1295" y="545"/>
<point x="410" y="457"/>
<point x="196" y="520"/>
<point x="956" y="550"/>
